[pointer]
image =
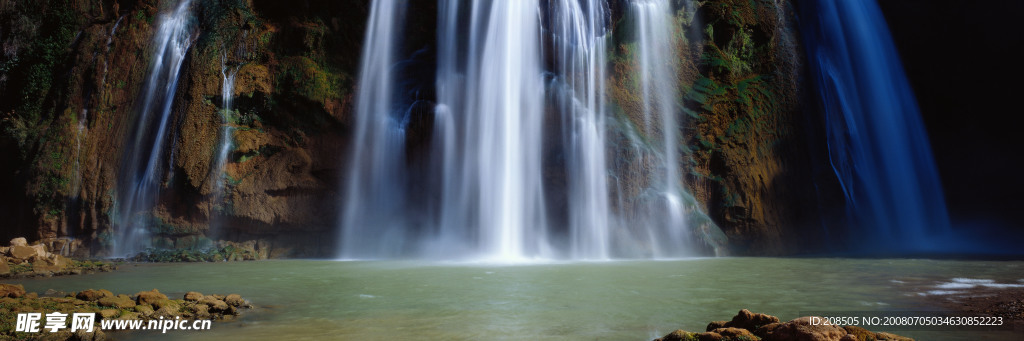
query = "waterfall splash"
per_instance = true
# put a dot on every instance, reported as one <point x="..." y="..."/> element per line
<point x="877" y="144"/>
<point x="372" y="218"/>
<point x="227" y="90"/>
<point x="142" y="166"/>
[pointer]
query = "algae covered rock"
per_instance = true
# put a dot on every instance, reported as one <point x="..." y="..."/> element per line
<point x="12" y="290"/>
<point x="149" y="297"/>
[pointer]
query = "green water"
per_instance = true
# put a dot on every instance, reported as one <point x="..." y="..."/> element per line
<point x="623" y="300"/>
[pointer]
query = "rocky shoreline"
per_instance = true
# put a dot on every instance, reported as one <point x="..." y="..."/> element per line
<point x="749" y="326"/>
<point x="105" y="305"/>
<point x="21" y="260"/>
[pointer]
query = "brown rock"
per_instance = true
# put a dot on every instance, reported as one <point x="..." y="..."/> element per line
<point x="167" y="311"/>
<point x="149" y="297"/>
<point x="110" y="313"/>
<point x="748" y="320"/>
<point x="22" y="253"/>
<point x="891" y="337"/>
<point x="93" y="295"/>
<point x="235" y="300"/>
<point x="861" y="334"/>
<point x="12" y="290"/>
<point x="715" y="325"/>
<point x="677" y="335"/>
<point x="767" y="329"/>
<point x="193" y="296"/>
<point x="800" y="329"/>
<point x="119" y="301"/>
<point x="40" y="250"/>
<point x="849" y="337"/>
<point x="144" y="309"/>
<point x="167" y="303"/>
<point x="735" y="333"/>
<point x="52" y="263"/>
<point x="4" y="268"/>
<point x="130" y="315"/>
<point x="96" y="335"/>
<point x="215" y="304"/>
<point x="20" y="241"/>
<point x="202" y="311"/>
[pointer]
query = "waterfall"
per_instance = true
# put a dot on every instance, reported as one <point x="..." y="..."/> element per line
<point x="142" y="168"/>
<point x="656" y="53"/>
<point x="520" y="93"/>
<point x="110" y="40"/>
<point x="490" y="91"/>
<point x="877" y="144"/>
<point x="372" y="220"/>
<point x="226" y="141"/>
<point x="580" y="51"/>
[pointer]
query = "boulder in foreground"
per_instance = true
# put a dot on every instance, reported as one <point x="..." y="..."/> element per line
<point x="749" y="326"/>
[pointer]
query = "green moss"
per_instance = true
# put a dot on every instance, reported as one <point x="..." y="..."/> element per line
<point x="211" y="254"/>
<point x="304" y="77"/>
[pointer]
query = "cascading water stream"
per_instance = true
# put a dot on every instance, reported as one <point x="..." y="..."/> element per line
<point x="142" y="168"/>
<point x="521" y="91"/>
<point x="490" y="95"/>
<point x="655" y="60"/>
<point x="877" y="144"/>
<point x="226" y="142"/>
<point x="372" y="216"/>
<point x="580" y="39"/>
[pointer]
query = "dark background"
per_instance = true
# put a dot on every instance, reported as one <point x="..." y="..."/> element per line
<point x="965" y="61"/>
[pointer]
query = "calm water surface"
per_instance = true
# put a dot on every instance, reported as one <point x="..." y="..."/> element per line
<point x="620" y="300"/>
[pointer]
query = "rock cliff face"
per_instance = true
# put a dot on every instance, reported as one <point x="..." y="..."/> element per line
<point x="747" y="136"/>
<point x="71" y="72"/>
<point x="71" y="75"/>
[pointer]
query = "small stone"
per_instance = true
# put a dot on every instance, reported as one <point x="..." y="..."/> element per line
<point x="149" y="297"/>
<point x="677" y="335"/>
<point x="166" y="303"/>
<point x="120" y="301"/>
<point x="235" y="300"/>
<point x="22" y="253"/>
<point x="748" y="320"/>
<point x="201" y="311"/>
<point x="110" y="313"/>
<point x="734" y="333"/>
<point x="766" y="330"/>
<point x="54" y="293"/>
<point x="802" y="329"/>
<point x="20" y="241"/>
<point x="91" y="295"/>
<point x="12" y="290"/>
<point x="130" y="315"/>
<point x="96" y="335"/>
<point x="715" y="325"/>
<point x="144" y="309"/>
<point x="166" y="312"/>
<point x="193" y="296"/>
<point x="215" y="304"/>
<point x="40" y="250"/>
